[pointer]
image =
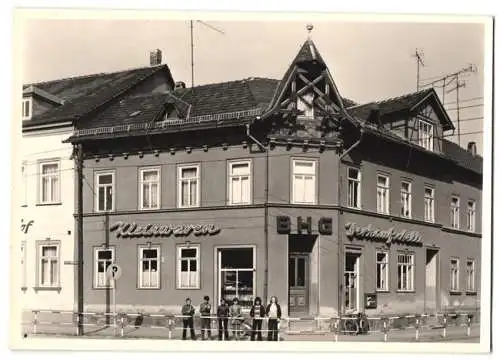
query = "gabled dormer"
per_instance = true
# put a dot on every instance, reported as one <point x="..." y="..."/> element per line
<point x="307" y="102"/>
<point x="37" y="101"/>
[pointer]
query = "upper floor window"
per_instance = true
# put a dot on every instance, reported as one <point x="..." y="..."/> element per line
<point x="406" y="199"/>
<point x="455" y="212"/>
<point x="304" y="181"/>
<point x="471" y="216"/>
<point x="305" y="105"/>
<point x="353" y="188"/>
<point x="105" y="195"/>
<point x="382" y="194"/>
<point x="429" y="204"/>
<point x="240" y="182"/>
<point x="27" y="108"/>
<point x="49" y="182"/>
<point x="425" y="135"/>
<point x="149" y="192"/>
<point x="189" y="186"/>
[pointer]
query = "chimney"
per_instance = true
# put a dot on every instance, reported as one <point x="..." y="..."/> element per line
<point x="471" y="148"/>
<point x="155" y="57"/>
<point x="374" y="116"/>
<point x="180" y="85"/>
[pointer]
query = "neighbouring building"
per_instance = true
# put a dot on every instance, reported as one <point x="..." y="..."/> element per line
<point x="261" y="187"/>
<point x="47" y="189"/>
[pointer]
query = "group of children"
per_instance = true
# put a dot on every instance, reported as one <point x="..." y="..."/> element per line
<point x="226" y="313"/>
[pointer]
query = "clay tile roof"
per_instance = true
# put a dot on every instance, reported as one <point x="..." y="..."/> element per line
<point x="82" y="94"/>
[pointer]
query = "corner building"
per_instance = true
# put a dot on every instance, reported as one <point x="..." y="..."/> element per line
<point x="262" y="187"/>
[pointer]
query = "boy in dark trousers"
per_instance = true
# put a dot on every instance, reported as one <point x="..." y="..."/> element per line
<point x="257" y="312"/>
<point x="222" y="316"/>
<point x="273" y="312"/>
<point x="187" y="319"/>
<point x="205" y="309"/>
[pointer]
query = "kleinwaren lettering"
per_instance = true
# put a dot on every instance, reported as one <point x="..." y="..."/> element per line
<point x="129" y="230"/>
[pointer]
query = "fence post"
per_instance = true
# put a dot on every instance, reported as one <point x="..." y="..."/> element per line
<point x="77" y="323"/>
<point x="279" y="329"/>
<point x="336" y="329"/>
<point x="417" y="329"/>
<point x="35" y="321"/>
<point x="122" y="325"/>
<point x="170" y="328"/>
<point x="469" y="320"/>
<point x="445" y="320"/>
<point x="386" y="329"/>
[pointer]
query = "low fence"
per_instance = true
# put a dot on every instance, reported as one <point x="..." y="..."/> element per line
<point x="334" y="326"/>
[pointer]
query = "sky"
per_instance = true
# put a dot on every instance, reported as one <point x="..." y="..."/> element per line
<point x="369" y="61"/>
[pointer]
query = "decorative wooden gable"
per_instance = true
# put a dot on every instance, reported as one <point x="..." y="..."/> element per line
<point x="307" y="102"/>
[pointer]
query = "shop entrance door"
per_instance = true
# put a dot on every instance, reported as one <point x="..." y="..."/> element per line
<point x="431" y="279"/>
<point x="298" y="281"/>
<point x="351" y="281"/>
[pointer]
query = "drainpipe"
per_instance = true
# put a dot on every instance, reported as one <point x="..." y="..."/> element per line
<point x="339" y="224"/>
<point x="266" y="210"/>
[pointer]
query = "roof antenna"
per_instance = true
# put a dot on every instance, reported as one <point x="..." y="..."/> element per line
<point x="192" y="44"/>
<point x="309" y="28"/>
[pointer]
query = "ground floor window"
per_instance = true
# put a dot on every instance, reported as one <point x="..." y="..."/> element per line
<point x="471" y="276"/>
<point x="236" y="268"/>
<point x="454" y="274"/>
<point x="103" y="258"/>
<point x="382" y="271"/>
<point x="405" y="271"/>
<point x="149" y="267"/>
<point x="48" y="264"/>
<point x="188" y="266"/>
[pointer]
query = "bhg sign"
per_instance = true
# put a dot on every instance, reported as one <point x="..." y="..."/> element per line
<point x="304" y="225"/>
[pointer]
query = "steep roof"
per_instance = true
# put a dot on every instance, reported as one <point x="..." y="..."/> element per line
<point x="85" y="93"/>
<point x="463" y="157"/>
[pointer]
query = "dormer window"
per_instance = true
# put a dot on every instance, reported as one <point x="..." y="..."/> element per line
<point x="305" y="105"/>
<point x="426" y="135"/>
<point x="27" y="108"/>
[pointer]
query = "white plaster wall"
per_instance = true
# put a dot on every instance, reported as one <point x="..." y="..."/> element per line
<point x="55" y="222"/>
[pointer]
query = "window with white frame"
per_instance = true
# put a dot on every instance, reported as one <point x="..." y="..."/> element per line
<point x="24" y="186"/>
<point x="149" y="192"/>
<point x="149" y="267"/>
<point x="405" y="271"/>
<point x="48" y="264"/>
<point x="240" y="182"/>
<point x="49" y="175"/>
<point x="382" y="271"/>
<point x="455" y="212"/>
<point x="105" y="195"/>
<point x="305" y="104"/>
<point x="304" y="181"/>
<point x="454" y="274"/>
<point x="426" y="135"/>
<point x="189" y="186"/>
<point x="103" y="258"/>
<point x="27" y="109"/>
<point x="429" y="204"/>
<point x="471" y="216"/>
<point x="188" y="270"/>
<point x="353" y="188"/>
<point x="382" y="194"/>
<point x="471" y="276"/>
<point x="406" y="199"/>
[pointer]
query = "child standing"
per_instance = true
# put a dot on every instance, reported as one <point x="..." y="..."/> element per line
<point x="187" y="319"/>
<point x="205" y="309"/>
<point x="257" y="312"/>
<point x="222" y="316"/>
<point x="235" y="313"/>
<point x="273" y="313"/>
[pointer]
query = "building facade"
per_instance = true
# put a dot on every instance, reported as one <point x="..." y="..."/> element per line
<point x="47" y="182"/>
<point x="262" y="187"/>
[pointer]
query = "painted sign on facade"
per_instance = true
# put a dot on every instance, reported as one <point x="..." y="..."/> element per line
<point x="304" y="225"/>
<point x="128" y="230"/>
<point x="388" y="236"/>
<point x="25" y="226"/>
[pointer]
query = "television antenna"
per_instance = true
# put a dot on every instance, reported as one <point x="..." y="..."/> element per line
<point x="192" y="43"/>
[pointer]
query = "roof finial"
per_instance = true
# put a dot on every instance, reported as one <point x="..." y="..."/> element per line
<point x="309" y="28"/>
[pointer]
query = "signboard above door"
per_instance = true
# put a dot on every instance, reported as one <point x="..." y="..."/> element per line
<point x="303" y="226"/>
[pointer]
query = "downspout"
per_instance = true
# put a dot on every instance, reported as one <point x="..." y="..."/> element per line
<point x="266" y="210"/>
<point x="339" y="225"/>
